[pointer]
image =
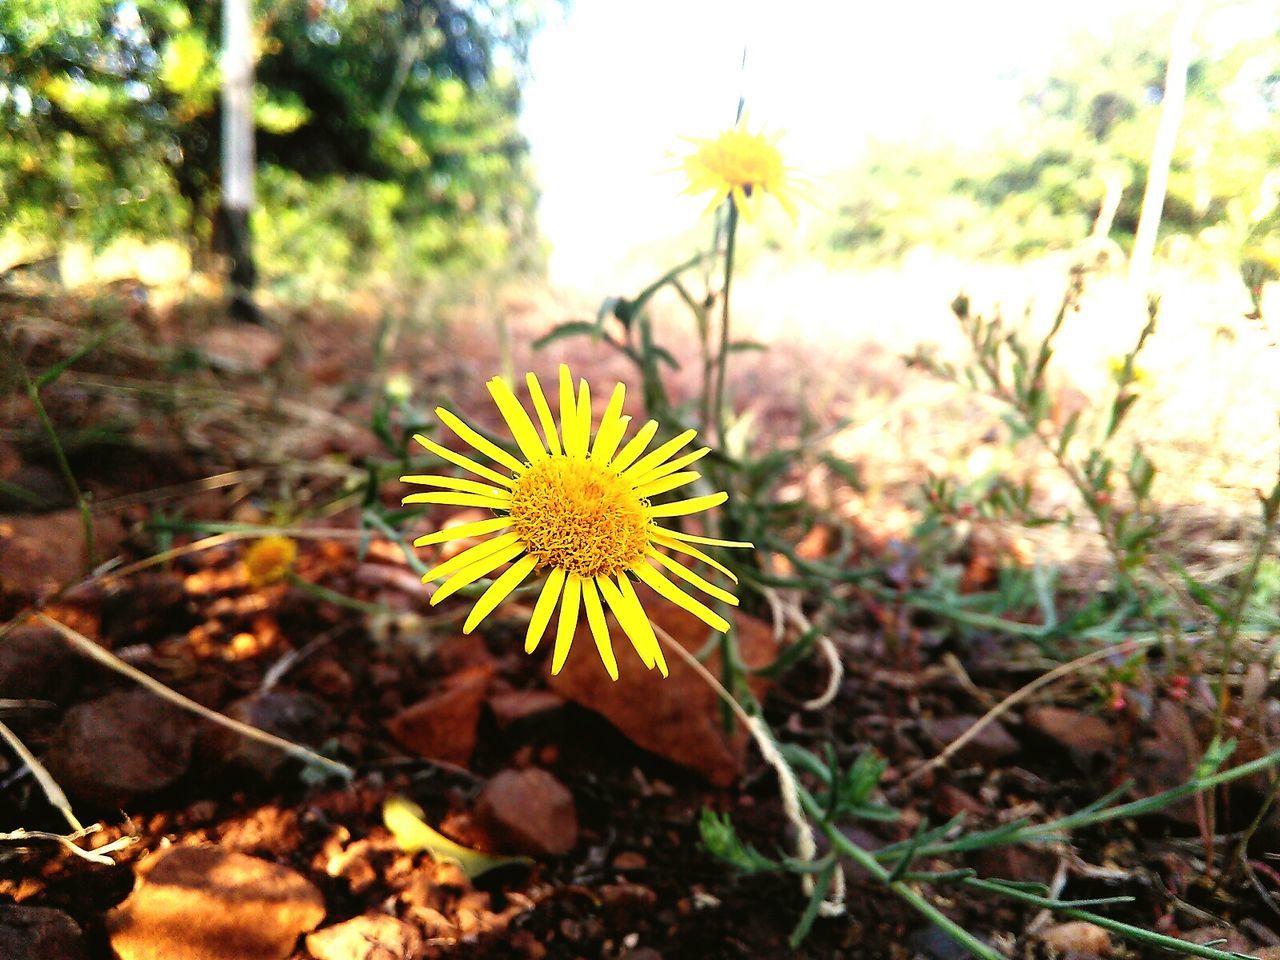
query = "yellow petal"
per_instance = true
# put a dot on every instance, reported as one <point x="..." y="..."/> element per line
<point x="458" y="483"/>
<point x="517" y="419"/>
<point x="642" y="621"/>
<point x="543" y="608"/>
<point x="671" y="466"/>
<point x="708" y="541"/>
<point x="481" y="568"/>
<point x="498" y="591"/>
<point x="466" y="463"/>
<point x="568" y="620"/>
<point x="489" y="449"/>
<point x="635" y="446"/>
<point x="459" y="500"/>
<point x="638" y="631"/>
<point x="608" y="426"/>
<point x="568" y="413"/>
<point x="607" y="440"/>
<point x="688" y="576"/>
<point x="664" y="484"/>
<point x="462" y="531"/>
<point x="584" y="416"/>
<point x="690" y="551"/>
<point x="469" y="556"/>
<point x="664" y="452"/>
<point x="666" y="588"/>
<point x="599" y="629"/>
<point x="681" y="508"/>
<point x="544" y="413"/>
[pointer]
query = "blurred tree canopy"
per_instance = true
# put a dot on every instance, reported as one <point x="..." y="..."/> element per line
<point x="387" y="129"/>
<point x="1085" y="137"/>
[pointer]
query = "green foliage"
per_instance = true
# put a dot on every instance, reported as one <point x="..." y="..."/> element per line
<point x="387" y="134"/>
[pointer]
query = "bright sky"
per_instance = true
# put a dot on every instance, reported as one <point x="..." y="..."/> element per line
<point x="617" y="83"/>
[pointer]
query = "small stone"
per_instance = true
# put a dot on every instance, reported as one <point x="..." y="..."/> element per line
<point x="443" y="726"/>
<point x="241" y="347"/>
<point x="1085" y="737"/>
<point x="121" y="746"/>
<point x="992" y="744"/>
<point x="202" y="903"/>
<point x="297" y="717"/>
<point x="529" y="811"/>
<point x="630" y="860"/>
<point x="38" y="933"/>
<point x="374" y="936"/>
<point x="515" y="705"/>
<point x="37" y="664"/>
<point x="1078" y="939"/>
<point x="42" y="552"/>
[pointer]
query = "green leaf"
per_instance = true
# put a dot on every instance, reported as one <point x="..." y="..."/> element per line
<point x="404" y="819"/>
<point x="572" y="328"/>
<point x="721" y="840"/>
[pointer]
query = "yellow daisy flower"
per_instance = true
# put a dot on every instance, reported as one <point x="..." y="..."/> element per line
<point x="740" y="164"/>
<point x="269" y="559"/>
<point x="579" y="508"/>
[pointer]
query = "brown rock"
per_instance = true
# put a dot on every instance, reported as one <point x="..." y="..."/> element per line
<point x="989" y="746"/>
<point x="241" y="347"/>
<point x="374" y="936"/>
<point x="677" y="717"/>
<point x="443" y="726"/>
<point x="37" y="664"/>
<point x="124" y="745"/>
<point x="38" y="933"/>
<point x="202" y="903"/>
<point x="297" y="717"/>
<point x="528" y="811"/>
<point x="512" y="706"/>
<point x="1078" y="939"/>
<point x="1085" y="737"/>
<point x="42" y="552"/>
<point x="1168" y="759"/>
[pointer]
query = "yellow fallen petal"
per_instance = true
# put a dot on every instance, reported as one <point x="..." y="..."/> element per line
<point x="404" y="819"/>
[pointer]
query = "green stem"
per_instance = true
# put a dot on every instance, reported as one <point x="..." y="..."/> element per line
<point x="86" y="514"/>
<point x="722" y="358"/>
<point x="332" y="596"/>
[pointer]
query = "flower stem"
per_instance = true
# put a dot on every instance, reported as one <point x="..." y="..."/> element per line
<point x="722" y="357"/>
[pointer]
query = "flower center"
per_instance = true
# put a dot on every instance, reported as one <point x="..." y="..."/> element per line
<point x="574" y="514"/>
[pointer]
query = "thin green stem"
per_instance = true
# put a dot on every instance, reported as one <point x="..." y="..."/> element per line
<point x="86" y="513"/>
<point x="332" y="596"/>
<point x="722" y="358"/>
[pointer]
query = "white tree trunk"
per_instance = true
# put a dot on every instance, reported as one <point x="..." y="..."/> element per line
<point x="237" y="105"/>
<point x="1171" y="108"/>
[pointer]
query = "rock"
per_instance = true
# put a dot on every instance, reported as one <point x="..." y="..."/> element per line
<point x="512" y="706"/>
<point x="1085" y="737"/>
<point x="241" y="347"/>
<point x="374" y="936"/>
<point x="992" y="744"/>
<point x="39" y="933"/>
<point x="37" y="664"/>
<point x="443" y="726"/>
<point x="297" y="717"/>
<point x="121" y="746"/>
<point x="528" y="811"/>
<point x="1078" y="939"/>
<point x="203" y="903"/>
<point x="42" y="552"/>
<point x="677" y="717"/>
<point x="1168" y="759"/>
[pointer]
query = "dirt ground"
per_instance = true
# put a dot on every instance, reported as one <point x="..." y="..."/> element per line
<point x="178" y="422"/>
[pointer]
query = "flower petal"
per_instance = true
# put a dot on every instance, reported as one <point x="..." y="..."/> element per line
<point x="664" y="452"/>
<point x="517" y="418"/>
<point x="665" y="484"/>
<point x="671" y="466"/>
<point x="688" y="576"/>
<point x="708" y="541"/>
<point x="599" y="629"/>
<point x="458" y="483"/>
<point x="469" y="556"/>
<point x="584" y="416"/>
<point x="689" y="551"/>
<point x="482" y="567"/>
<point x="681" y="508"/>
<point x="543" y="608"/>
<point x="459" y="500"/>
<point x="635" y="446"/>
<point x="489" y="449"/>
<point x="569" y="413"/>
<point x="568" y="620"/>
<point x="462" y="531"/>
<point x="466" y="463"/>
<point x="666" y="588"/>
<point x="600" y="450"/>
<point x="498" y="591"/>
<point x="631" y="600"/>
<point x="544" y="413"/>
<point x="632" y="620"/>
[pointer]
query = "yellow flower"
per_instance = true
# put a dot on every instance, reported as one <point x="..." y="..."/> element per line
<point x="579" y="508"/>
<point x="740" y="164"/>
<point x="269" y="559"/>
<point x="1141" y="377"/>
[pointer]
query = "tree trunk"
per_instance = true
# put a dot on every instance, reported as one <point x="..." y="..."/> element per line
<point x="1171" y="107"/>
<point x="237" y="153"/>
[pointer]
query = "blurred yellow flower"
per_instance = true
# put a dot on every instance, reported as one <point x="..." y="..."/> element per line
<point x="580" y="509"/>
<point x="1141" y="376"/>
<point x="269" y="559"/>
<point x="740" y="164"/>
